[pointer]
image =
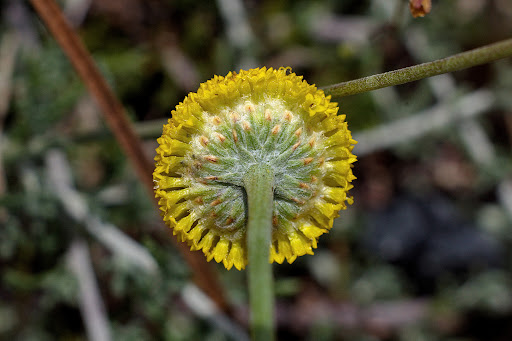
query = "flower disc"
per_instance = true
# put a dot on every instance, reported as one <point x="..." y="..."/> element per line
<point x="259" y="116"/>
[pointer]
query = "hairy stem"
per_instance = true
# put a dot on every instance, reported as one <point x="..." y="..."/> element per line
<point x="456" y="62"/>
<point x="259" y="185"/>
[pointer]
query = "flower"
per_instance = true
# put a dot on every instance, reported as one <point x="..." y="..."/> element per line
<point x="256" y="116"/>
<point x="419" y="8"/>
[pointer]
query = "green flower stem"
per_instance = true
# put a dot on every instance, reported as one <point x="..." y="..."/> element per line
<point x="259" y="185"/>
<point x="482" y="55"/>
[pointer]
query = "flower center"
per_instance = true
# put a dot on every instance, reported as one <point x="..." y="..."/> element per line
<point x="242" y="136"/>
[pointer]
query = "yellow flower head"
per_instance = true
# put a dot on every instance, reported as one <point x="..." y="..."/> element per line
<point x="252" y="117"/>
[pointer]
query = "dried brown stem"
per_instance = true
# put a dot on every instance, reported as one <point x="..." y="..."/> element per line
<point x="97" y="86"/>
<point x="122" y="129"/>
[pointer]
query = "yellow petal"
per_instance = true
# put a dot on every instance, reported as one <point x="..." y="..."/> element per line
<point x="300" y="245"/>
<point x="184" y="224"/>
<point x="275" y="257"/>
<point x="206" y="243"/>
<point x="311" y="231"/>
<point x="236" y="255"/>
<point x="221" y="250"/>
<point x="171" y="182"/>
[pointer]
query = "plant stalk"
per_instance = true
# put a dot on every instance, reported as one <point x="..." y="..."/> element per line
<point x="482" y="55"/>
<point x="122" y="130"/>
<point x="259" y="186"/>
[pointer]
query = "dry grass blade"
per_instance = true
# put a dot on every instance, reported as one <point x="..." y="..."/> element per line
<point x="90" y="301"/>
<point x="123" y="131"/>
<point x="97" y="86"/>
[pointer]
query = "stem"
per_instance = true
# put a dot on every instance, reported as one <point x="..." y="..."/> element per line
<point x="259" y="185"/>
<point x="482" y="55"/>
<point x="122" y="129"/>
<point x="112" y="109"/>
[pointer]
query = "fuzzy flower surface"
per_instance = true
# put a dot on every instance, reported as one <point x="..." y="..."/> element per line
<point x="258" y="116"/>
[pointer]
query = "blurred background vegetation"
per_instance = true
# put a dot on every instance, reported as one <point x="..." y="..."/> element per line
<point x="423" y="254"/>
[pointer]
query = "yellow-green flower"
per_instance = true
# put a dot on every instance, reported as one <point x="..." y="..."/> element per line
<point x="253" y="117"/>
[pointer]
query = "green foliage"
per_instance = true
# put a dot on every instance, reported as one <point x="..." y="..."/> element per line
<point x="46" y="89"/>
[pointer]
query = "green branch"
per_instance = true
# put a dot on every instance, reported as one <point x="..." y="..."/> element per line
<point x="482" y="55"/>
<point x="259" y="185"/>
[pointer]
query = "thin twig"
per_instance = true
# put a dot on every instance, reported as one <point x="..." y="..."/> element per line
<point x="76" y="11"/>
<point x="177" y="64"/>
<point x="417" y="125"/>
<point x="91" y="304"/>
<point x="381" y="319"/>
<point x="123" y="131"/>
<point x="203" y="307"/>
<point x="238" y="31"/>
<point x="482" y="55"/>
<point x="98" y="87"/>
<point x="475" y="139"/>
<point x="504" y="192"/>
<point x="61" y="183"/>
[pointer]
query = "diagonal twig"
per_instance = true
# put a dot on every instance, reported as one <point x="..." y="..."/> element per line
<point x="414" y="126"/>
<point x="61" y="183"/>
<point x="97" y="86"/>
<point x="122" y="129"/>
<point x="482" y="55"/>
<point x="91" y="305"/>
